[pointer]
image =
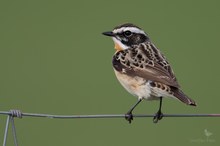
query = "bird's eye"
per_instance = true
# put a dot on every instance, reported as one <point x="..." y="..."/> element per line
<point x="127" y="33"/>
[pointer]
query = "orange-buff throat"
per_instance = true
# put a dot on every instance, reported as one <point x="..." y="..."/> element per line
<point x="118" y="47"/>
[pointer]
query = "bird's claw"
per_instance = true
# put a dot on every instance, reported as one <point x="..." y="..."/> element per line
<point x="129" y="117"/>
<point x="158" y="116"/>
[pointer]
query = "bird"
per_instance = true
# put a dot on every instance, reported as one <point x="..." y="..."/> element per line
<point x="142" y="69"/>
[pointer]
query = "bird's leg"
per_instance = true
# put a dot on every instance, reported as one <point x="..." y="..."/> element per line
<point x="128" y="115"/>
<point x="159" y="115"/>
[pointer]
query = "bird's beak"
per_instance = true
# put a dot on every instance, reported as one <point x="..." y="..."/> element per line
<point x="109" y="33"/>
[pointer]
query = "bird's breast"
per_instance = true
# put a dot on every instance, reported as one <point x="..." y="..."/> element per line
<point x="136" y="86"/>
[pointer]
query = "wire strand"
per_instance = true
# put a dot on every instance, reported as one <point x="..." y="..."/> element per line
<point x="17" y="113"/>
<point x="6" y="130"/>
<point x="105" y="115"/>
<point x="14" y="131"/>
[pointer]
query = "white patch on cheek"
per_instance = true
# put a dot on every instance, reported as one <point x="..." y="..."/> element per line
<point x="116" y="41"/>
<point x="125" y="39"/>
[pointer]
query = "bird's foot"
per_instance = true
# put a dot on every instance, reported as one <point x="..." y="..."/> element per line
<point x="158" y="116"/>
<point x="129" y="117"/>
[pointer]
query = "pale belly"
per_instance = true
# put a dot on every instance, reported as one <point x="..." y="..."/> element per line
<point x="136" y="86"/>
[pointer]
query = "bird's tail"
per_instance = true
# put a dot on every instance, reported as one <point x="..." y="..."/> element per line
<point x="182" y="97"/>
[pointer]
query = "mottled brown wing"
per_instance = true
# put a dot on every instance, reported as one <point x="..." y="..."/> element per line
<point x="147" y="62"/>
<point x="155" y="74"/>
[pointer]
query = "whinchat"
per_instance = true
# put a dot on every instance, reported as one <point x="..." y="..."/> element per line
<point x="142" y="69"/>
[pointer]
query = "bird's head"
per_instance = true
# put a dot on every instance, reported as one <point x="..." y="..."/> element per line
<point x="127" y="36"/>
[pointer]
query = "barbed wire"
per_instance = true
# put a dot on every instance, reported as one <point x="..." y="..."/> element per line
<point x="17" y="113"/>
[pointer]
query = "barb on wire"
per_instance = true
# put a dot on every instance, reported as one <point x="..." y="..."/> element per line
<point x="10" y="118"/>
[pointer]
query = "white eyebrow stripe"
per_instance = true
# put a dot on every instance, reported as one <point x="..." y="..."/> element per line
<point x="132" y="29"/>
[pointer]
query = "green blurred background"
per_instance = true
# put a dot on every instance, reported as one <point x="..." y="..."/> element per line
<point x="53" y="59"/>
